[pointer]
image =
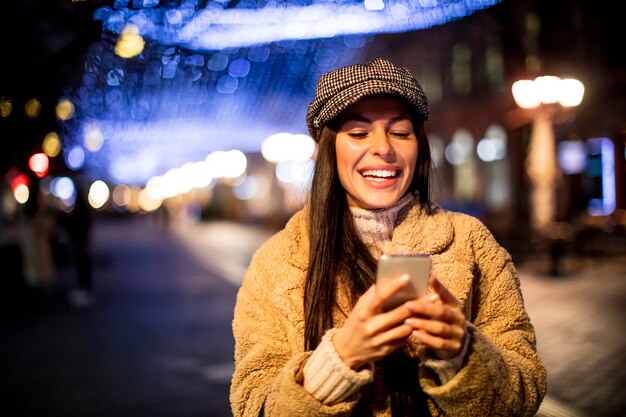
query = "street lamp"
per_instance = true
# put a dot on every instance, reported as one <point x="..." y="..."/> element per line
<point x="545" y="97"/>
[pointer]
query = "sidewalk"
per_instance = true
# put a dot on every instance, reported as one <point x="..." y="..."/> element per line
<point x="156" y="343"/>
<point x="579" y="319"/>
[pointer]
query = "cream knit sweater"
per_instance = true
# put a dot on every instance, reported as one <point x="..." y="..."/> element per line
<point x="326" y="376"/>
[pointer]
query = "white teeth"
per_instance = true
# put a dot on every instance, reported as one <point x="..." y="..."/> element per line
<point x="381" y="173"/>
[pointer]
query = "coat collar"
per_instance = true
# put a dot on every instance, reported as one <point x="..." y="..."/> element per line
<point x="419" y="229"/>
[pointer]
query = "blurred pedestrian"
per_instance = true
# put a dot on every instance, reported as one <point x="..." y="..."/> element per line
<point x="311" y="336"/>
<point x="78" y="224"/>
<point x="37" y="224"/>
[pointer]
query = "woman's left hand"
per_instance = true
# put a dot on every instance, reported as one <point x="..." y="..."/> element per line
<point x="438" y="321"/>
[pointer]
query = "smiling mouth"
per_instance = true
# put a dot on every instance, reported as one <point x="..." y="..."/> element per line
<point x="380" y="174"/>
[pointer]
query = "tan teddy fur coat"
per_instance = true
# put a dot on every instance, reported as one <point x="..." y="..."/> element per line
<point x="501" y="375"/>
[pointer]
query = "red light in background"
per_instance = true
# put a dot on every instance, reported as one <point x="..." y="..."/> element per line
<point x="39" y="164"/>
<point x="18" y="180"/>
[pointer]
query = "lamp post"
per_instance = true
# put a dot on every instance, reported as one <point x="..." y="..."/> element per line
<point x="545" y="97"/>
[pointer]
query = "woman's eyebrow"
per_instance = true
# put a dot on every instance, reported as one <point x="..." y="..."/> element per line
<point x="356" y="118"/>
<point x="399" y="117"/>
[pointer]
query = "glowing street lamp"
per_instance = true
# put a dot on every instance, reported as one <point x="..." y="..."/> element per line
<point x="545" y="96"/>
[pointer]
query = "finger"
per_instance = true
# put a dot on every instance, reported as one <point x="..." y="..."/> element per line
<point x="366" y="297"/>
<point x="393" y="336"/>
<point x="382" y="322"/>
<point x="437" y="328"/>
<point x="362" y="308"/>
<point x="438" y="343"/>
<point x="440" y="312"/>
<point x="446" y="314"/>
<point x="444" y="294"/>
<point x="384" y="291"/>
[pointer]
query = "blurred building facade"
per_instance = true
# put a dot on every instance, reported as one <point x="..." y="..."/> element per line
<point x="467" y="68"/>
<point x="478" y="135"/>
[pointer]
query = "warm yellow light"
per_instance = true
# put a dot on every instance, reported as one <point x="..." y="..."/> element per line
<point x="133" y="204"/>
<point x="98" y="194"/>
<point x="64" y="109"/>
<point x="121" y="195"/>
<point x="525" y="94"/>
<point x="51" y="144"/>
<point x="130" y="43"/>
<point x="155" y="188"/>
<point x="21" y="193"/>
<point x="32" y="108"/>
<point x="227" y="164"/>
<point x="6" y="107"/>
<point x="572" y="92"/>
<point x="548" y="89"/>
<point x="287" y="147"/>
<point x="147" y="202"/>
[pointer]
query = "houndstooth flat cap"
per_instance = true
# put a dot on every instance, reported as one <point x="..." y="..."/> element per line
<point x="339" y="89"/>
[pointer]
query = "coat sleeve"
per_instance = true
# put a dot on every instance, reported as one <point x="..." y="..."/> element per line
<point x="268" y="351"/>
<point x="502" y="372"/>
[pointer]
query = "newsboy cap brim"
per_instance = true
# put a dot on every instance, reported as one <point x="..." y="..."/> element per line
<point x="341" y="88"/>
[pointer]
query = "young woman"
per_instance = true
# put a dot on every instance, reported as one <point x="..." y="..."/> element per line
<point x="311" y="336"/>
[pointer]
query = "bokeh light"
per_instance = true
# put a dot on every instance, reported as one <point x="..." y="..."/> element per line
<point x="39" y="164"/>
<point x="121" y="195"/>
<point x="6" y="107"/>
<point x="63" y="188"/>
<point x="147" y="202"/>
<point x="75" y="158"/>
<point x="98" y="194"/>
<point x="21" y="193"/>
<point x="130" y="42"/>
<point x="64" y="109"/>
<point x="203" y="74"/>
<point x="51" y="144"/>
<point x="287" y="147"/>
<point x="32" y="108"/>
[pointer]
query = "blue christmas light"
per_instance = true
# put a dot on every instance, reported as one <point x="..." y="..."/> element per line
<point x="218" y="78"/>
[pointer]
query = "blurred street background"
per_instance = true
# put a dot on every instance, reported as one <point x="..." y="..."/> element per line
<point x="148" y="147"/>
<point x="158" y="342"/>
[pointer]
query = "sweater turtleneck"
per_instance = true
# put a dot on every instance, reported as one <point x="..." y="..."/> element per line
<point x="375" y="227"/>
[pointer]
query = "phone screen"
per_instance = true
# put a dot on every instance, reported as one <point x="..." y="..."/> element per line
<point x="393" y="266"/>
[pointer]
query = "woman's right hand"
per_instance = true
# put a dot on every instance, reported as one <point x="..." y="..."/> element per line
<point x="369" y="333"/>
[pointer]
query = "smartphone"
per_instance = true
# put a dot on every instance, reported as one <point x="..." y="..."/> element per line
<point x="394" y="266"/>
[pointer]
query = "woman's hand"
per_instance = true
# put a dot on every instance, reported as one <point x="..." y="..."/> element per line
<point x="369" y="333"/>
<point x="438" y="321"/>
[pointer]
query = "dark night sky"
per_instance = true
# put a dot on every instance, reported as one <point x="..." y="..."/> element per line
<point x="42" y="45"/>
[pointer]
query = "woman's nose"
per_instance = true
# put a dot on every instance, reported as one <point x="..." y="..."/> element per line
<point x="382" y="145"/>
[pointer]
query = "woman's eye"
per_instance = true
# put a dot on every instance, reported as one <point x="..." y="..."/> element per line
<point x="358" y="135"/>
<point x="401" y="134"/>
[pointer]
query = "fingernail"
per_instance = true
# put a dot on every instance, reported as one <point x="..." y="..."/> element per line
<point x="433" y="298"/>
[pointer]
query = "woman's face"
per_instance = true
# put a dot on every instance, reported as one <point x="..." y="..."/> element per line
<point x="376" y="152"/>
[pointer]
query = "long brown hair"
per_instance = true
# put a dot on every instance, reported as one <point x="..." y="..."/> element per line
<point x="335" y="247"/>
<point x="334" y="244"/>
